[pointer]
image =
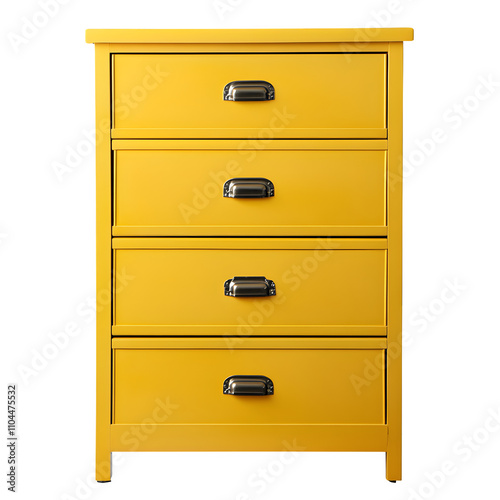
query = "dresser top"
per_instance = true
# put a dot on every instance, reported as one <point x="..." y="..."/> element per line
<point x="249" y="35"/>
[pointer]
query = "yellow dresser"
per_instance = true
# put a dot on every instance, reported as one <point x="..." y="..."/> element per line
<point x="249" y="223"/>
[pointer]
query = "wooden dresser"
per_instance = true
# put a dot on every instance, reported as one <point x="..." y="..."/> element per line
<point x="249" y="241"/>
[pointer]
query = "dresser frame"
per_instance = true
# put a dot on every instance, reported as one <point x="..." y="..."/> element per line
<point x="386" y="438"/>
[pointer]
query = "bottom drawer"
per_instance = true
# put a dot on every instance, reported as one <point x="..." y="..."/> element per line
<point x="306" y="381"/>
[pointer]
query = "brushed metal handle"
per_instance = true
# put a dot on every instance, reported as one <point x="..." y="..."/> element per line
<point x="248" y="385"/>
<point x="248" y="90"/>
<point x="248" y="187"/>
<point x="249" y="286"/>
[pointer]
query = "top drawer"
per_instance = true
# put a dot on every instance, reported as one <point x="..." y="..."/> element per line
<point x="315" y="96"/>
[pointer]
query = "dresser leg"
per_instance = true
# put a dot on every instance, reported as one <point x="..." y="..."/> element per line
<point x="103" y="466"/>
<point x="393" y="465"/>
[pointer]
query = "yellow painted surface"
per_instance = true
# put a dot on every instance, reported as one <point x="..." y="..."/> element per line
<point x="104" y="284"/>
<point x="250" y="137"/>
<point x="237" y="330"/>
<point x="313" y="287"/>
<point x="310" y="386"/>
<point x="336" y="121"/>
<point x="239" y="230"/>
<point x="253" y="36"/>
<point x="255" y="343"/>
<point x="395" y="264"/>
<point x="222" y="145"/>
<point x="185" y="188"/>
<point x="325" y="243"/>
<point x="202" y="47"/>
<point x="248" y="437"/>
<point x="312" y="91"/>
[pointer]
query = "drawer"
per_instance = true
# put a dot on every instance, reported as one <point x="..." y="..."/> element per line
<point x="185" y="383"/>
<point x="314" y="95"/>
<point x="281" y="286"/>
<point x="169" y="192"/>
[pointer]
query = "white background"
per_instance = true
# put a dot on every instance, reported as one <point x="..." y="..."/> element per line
<point x="451" y="257"/>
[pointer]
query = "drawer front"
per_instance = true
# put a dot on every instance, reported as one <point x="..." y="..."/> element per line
<point x="322" y="290"/>
<point x="161" y="192"/>
<point x="319" y="92"/>
<point x="309" y="386"/>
